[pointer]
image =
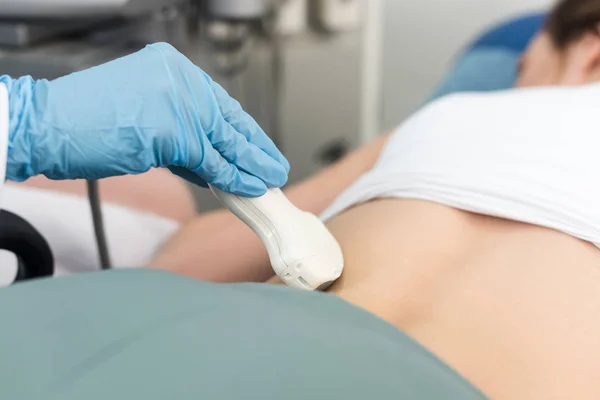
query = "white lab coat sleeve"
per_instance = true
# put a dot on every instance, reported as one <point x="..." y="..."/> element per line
<point x="4" y="121"/>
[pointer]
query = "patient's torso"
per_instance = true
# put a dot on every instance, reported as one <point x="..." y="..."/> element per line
<point x="503" y="302"/>
<point x="473" y="233"/>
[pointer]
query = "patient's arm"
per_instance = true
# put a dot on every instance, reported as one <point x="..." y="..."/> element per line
<point x="219" y="247"/>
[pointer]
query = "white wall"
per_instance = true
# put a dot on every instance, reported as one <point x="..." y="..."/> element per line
<point x="421" y="37"/>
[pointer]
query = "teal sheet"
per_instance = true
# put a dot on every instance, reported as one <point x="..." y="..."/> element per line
<point x="150" y="335"/>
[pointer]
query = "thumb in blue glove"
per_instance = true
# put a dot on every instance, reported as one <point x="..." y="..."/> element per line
<point x="153" y="108"/>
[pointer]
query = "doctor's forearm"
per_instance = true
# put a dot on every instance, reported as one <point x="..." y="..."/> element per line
<point x="218" y="247"/>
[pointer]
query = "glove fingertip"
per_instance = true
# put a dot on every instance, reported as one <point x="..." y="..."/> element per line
<point x="285" y="163"/>
<point x="247" y="186"/>
<point x="276" y="179"/>
<point x="251" y="191"/>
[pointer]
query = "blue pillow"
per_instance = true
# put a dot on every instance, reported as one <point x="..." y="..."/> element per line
<point x="490" y="62"/>
<point x="513" y="35"/>
<point x="480" y="70"/>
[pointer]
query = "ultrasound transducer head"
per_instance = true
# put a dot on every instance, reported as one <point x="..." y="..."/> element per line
<point x="302" y="251"/>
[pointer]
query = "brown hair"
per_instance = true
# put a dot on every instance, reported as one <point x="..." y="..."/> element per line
<point x="569" y="20"/>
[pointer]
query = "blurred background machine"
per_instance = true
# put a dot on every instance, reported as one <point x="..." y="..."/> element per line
<point x="307" y="70"/>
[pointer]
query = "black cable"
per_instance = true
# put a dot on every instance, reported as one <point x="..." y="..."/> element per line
<point x="94" y="198"/>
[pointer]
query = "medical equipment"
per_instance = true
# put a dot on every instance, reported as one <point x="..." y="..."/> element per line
<point x="238" y="9"/>
<point x="303" y="253"/>
<point x="32" y="256"/>
<point x="336" y="15"/>
<point x="98" y="222"/>
<point x="78" y="8"/>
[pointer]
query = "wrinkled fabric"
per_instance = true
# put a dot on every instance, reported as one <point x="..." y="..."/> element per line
<point x="153" y="108"/>
<point x="150" y="335"/>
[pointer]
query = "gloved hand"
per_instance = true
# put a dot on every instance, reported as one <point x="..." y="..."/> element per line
<point x="154" y="108"/>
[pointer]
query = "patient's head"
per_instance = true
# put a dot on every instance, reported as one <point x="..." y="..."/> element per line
<point x="567" y="51"/>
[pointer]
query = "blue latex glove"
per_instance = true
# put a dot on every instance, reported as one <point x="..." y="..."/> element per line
<point x="154" y="108"/>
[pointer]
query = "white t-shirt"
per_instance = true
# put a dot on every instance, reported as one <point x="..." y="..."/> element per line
<point x="529" y="155"/>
